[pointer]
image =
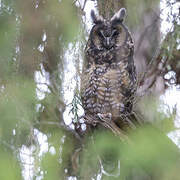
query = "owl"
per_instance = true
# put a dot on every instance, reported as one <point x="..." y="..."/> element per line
<point x="108" y="83"/>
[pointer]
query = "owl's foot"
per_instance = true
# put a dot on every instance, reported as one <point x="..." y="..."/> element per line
<point x="90" y="119"/>
<point x="105" y="117"/>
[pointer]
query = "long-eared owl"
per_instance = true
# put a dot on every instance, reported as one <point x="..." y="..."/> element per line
<point x="108" y="81"/>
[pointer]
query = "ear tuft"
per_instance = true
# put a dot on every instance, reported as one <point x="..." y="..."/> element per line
<point x="119" y="16"/>
<point x="96" y="19"/>
<point x="93" y="16"/>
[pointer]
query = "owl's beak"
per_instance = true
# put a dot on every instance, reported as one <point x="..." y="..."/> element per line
<point x="108" y="43"/>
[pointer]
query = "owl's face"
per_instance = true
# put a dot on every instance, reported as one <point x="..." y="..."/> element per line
<point x="108" y="34"/>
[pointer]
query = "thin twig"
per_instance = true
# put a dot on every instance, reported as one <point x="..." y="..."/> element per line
<point x="85" y="1"/>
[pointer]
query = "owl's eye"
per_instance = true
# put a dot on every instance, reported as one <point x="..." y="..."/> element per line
<point x="100" y="33"/>
<point x="115" y="32"/>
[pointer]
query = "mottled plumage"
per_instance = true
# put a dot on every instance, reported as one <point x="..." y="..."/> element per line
<point x="108" y="81"/>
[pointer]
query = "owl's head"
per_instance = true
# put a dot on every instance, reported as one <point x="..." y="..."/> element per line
<point x="108" y="34"/>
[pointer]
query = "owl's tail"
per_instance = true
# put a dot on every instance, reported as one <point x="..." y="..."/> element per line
<point x="106" y="121"/>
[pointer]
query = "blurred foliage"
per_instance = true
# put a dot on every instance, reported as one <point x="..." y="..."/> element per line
<point x="8" y="34"/>
<point x="55" y="162"/>
<point x="156" y="115"/>
<point x="136" y="8"/>
<point x="148" y="155"/>
<point x="65" y="15"/>
<point x="171" y="54"/>
<point x="48" y="112"/>
<point x="9" y="167"/>
<point x="32" y="39"/>
<point x="17" y="104"/>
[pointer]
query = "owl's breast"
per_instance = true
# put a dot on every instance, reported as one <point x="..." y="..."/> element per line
<point x="114" y="91"/>
<point x="104" y="89"/>
<point x="89" y="85"/>
<point x="122" y="52"/>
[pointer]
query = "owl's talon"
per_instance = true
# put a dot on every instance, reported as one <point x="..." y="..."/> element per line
<point x="100" y="116"/>
<point x="105" y="117"/>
